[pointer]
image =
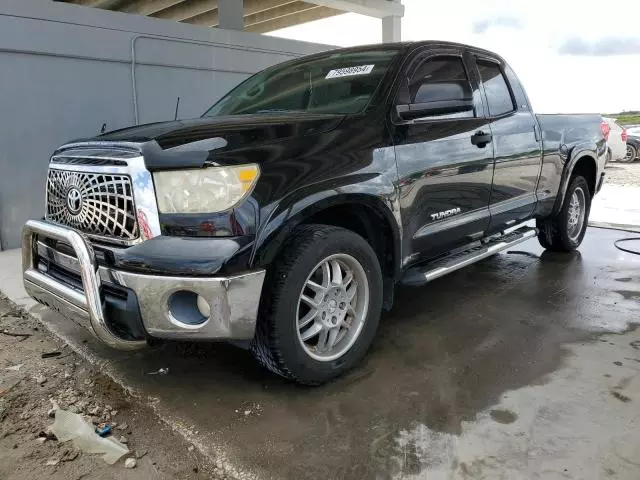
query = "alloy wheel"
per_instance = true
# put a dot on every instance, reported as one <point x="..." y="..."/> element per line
<point x="332" y="307"/>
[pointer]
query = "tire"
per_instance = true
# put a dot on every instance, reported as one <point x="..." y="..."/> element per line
<point x="278" y="343"/>
<point x="561" y="233"/>
<point x="632" y="154"/>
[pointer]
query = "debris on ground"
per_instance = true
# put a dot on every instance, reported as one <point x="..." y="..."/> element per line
<point x="46" y="435"/>
<point x="160" y="371"/>
<point x="53" y="354"/>
<point x="36" y="387"/>
<point x="130" y="463"/>
<point x="54" y="407"/>
<point x="620" y="396"/>
<point x="141" y="454"/>
<point x="250" y="409"/>
<point x="103" y="429"/>
<point x="15" y="334"/>
<point x="71" y="426"/>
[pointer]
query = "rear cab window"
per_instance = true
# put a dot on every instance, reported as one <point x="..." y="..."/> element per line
<point x="498" y="94"/>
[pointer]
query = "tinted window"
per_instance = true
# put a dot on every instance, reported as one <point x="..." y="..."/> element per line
<point x="438" y="79"/>
<point x="343" y="82"/>
<point x="498" y="95"/>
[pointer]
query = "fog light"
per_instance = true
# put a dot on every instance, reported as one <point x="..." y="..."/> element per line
<point x="203" y="307"/>
<point x="188" y="308"/>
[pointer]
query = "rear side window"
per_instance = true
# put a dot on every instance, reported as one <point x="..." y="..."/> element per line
<point x="499" y="98"/>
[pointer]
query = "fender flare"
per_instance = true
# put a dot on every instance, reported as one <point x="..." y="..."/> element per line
<point x="576" y="154"/>
<point x="291" y="212"/>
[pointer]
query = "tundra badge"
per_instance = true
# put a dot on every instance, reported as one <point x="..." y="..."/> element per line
<point x="445" y="214"/>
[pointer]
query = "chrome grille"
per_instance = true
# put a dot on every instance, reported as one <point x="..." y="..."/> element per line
<point x="104" y="206"/>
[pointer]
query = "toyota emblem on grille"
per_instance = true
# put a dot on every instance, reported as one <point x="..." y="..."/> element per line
<point x="74" y="200"/>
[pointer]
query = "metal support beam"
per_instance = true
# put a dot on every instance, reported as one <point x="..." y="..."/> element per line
<point x="296" y="18"/>
<point x="279" y="12"/>
<point x="258" y="18"/>
<point x="371" y="8"/>
<point x="184" y="10"/>
<point x="194" y="8"/>
<point x="231" y="14"/>
<point x="391" y="29"/>
<point x="148" y="7"/>
<point x="105" y="4"/>
<point x="208" y="19"/>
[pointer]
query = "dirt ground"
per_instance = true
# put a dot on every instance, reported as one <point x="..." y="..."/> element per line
<point x="623" y="174"/>
<point x="28" y="382"/>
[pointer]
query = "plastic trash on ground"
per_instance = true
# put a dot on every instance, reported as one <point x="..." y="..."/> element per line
<point x="103" y="429"/>
<point x="71" y="426"/>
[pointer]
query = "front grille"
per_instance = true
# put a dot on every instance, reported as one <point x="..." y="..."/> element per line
<point x="94" y="203"/>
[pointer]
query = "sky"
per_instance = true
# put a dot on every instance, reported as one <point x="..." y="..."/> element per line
<point x="573" y="56"/>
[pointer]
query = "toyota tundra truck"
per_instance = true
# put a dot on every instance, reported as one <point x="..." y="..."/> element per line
<point x="284" y="217"/>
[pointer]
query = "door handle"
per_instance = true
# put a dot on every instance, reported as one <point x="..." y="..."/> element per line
<point x="481" y="139"/>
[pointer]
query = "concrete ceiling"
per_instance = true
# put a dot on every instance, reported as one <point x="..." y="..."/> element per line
<point x="260" y="16"/>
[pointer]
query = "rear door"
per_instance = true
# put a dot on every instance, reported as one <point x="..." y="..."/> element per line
<point x="444" y="172"/>
<point x="516" y="144"/>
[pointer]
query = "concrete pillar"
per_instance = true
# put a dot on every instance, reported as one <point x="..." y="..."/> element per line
<point x="391" y="29"/>
<point x="231" y="14"/>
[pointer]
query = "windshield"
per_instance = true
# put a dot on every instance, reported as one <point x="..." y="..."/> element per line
<point x="340" y="83"/>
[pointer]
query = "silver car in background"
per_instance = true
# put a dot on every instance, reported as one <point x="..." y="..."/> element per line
<point x="616" y="142"/>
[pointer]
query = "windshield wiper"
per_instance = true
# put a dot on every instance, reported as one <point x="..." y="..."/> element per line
<point x="278" y="110"/>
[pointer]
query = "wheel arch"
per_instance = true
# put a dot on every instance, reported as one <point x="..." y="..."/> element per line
<point x="582" y="163"/>
<point x="365" y="214"/>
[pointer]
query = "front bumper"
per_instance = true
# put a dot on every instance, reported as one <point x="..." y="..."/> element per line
<point x="166" y="305"/>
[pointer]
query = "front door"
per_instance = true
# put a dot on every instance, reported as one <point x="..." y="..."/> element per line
<point x="444" y="173"/>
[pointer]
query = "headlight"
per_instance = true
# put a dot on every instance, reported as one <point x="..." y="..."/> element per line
<point x="207" y="190"/>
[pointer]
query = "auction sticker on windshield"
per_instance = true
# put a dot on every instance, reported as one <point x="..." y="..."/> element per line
<point x="349" y="71"/>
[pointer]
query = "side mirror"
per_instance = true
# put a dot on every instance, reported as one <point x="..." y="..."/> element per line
<point x="428" y="109"/>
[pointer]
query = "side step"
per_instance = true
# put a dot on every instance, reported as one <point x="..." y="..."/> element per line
<point x="430" y="271"/>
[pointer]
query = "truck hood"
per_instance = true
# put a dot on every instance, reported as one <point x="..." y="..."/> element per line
<point x="194" y="143"/>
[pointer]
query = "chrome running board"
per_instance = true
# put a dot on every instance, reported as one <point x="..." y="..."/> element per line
<point x="425" y="273"/>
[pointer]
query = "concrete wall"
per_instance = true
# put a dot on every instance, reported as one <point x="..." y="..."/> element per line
<point x="66" y="70"/>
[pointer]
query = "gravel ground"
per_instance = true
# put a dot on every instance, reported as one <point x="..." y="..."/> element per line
<point x="29" y="382"/>
<point x="623" y="174"/>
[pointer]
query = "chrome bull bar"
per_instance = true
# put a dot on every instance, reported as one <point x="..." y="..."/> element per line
<point x="85" y="307"/>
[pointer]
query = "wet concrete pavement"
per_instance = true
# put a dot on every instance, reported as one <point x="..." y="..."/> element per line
<point x="500" y="370"/>
<point x="617" y="206"/>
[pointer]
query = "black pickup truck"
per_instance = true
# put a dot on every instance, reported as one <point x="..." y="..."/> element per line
<point x="283" y="218"/>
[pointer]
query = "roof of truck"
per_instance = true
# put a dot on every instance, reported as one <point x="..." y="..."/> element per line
<point x="409" y="46"/>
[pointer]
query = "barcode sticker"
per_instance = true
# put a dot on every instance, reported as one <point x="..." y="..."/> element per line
<point x="349" y="71"/>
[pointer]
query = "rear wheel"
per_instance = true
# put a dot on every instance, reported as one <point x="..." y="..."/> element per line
<point x="631" y="155"/>
<point x="321" y="305"/>
<point x="565" y="231"/>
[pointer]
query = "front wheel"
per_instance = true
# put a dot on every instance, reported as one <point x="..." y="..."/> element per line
<point x="565" y="231"/>
<point x="631" y="155"/>
<point x="320" y="305"/>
